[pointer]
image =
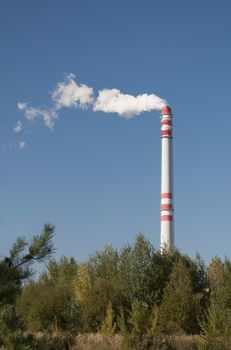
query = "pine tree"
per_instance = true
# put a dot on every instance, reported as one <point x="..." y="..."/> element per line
<point x="15" y="270"/>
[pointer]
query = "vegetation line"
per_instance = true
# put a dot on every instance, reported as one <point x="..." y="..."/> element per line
<point x="132" y="298"/>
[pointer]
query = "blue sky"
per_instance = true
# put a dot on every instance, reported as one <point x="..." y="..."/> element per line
<point x="96" y="176"/>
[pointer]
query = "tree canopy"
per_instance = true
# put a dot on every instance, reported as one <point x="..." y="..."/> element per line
<point x="145" y="295"/>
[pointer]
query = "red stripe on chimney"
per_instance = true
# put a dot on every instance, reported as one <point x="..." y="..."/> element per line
<point x="166" y="195"/>
<point x="166" y="132"/>
<point x="166" y="206"/>
<point x="166" y="122"/>
<point x="166" y="218"/>
<point x="166" y="110"/>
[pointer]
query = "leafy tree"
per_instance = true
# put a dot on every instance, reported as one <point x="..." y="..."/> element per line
<point x="144" y="272"/>
<point x="180" y="308"/>
<point x="108" y="326"/>
<point x="122" y="323"/>
<point x="137" y="272"/>
<point x="159" y="270"/>
<point x="125" y="279"/>
<point x="141" y="259"/>
<point x="139" y="318"/>
<point x="152" y="326"/>
<point x="96" y="285"/>
<point x="49" y="304"/>
<point x="134" y="272"/>
<point x="10" y="329"/>
<point x="217" y="325"/>
<point x="212" y="334"/>
<point x="215" y="274"/>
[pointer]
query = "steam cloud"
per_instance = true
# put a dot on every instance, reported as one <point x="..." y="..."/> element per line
<point x="125" y="105"/>
<point x="18" y="127"/>
<point x="48" y="115"/>
<point x="22" y="144"/>
<point x="68" y="94"/>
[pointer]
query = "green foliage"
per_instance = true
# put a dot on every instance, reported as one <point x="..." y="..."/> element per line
<point x="210" y="337"/>
<point x="143" y="272"/>
<point x="181" y="305"/>
<point x="140" y="273"/>
<point x="19" y="341"/>
<point x="41" y="246"/>
<point x="146" y="296"/>
<point x="108" y="326"/>
<point x="153" y="320"/>
<point x="139" y="322"/>
<point x="10" y="281"/>
<point x="49" y="303"/>
<point x="96" y="285"/>
<point x="216" y="327"/>
<point x="122" y="323"/>
<point x="50" y="342"/>
<point x="117" y="277"/>
<point x="215" y="274"/>
<point x="139" y="318"/>
<point x="16" y="268"/>
<point x="10" y="327"/>
<point x="14" y="271"/>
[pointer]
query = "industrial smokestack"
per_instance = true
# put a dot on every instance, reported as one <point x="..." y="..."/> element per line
<point x="166" y="206"/>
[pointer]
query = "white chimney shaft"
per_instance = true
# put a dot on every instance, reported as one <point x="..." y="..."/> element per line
<point x="166" y="207"/>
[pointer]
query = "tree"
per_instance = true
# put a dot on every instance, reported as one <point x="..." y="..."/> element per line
<point x="15" y="270"/>
<point x="49" y="304"/>
<point x="159" y="270"/>
<point x="217" y="325"/>
<point x="180" y="307"/>
<point x="215" y="274"/>
<point x="96" y="285"/>
<point x="139" y="318"/>
<point x="134" y="272"/>
<point x="108" y="326"/>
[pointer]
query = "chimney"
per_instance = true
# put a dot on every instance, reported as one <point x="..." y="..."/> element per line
<point x="166" y="206"/>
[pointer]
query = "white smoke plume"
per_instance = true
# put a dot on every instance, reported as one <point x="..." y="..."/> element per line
<point x="18" y="127"/>
<point x="22" y="145"/>
<point x="66" y="94"/>
<point x="113" y="101"/>
<point x="47" y="115"/>
<point x="69" y="94"/>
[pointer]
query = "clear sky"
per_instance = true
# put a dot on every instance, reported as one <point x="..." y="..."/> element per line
<point x="96" y="176"/>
